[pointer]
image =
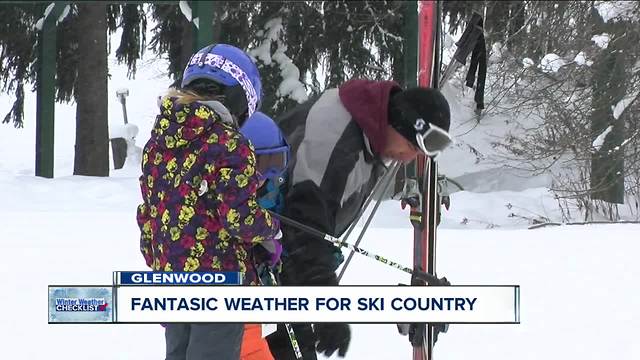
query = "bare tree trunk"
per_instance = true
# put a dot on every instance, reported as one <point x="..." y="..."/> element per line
<point x="92" y="130"/>
<point x="609" y="86"/>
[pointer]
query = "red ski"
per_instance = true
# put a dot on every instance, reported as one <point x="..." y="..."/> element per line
<point x="424" y="215"/>
<point x="426" y="206"/>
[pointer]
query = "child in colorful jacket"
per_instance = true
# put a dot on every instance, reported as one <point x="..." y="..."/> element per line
<point x="199" y="183"/>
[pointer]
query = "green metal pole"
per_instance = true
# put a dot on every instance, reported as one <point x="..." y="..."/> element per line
<point x="410" y="50"/>
<point x="203" y="11"/>
<point x="46" y="92"/>
<point x="410" y="44"/>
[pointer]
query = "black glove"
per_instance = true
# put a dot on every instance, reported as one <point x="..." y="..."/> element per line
<point x="331" y="337"/>
<point x="308" y="274"/>
<point x="280" y="344"/>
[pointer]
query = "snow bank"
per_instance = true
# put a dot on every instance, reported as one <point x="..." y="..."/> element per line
<point x="89" y="224"/>
<point x="556" y="269"/>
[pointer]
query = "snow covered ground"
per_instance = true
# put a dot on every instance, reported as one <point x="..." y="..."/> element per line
<point x="579" y="298"/>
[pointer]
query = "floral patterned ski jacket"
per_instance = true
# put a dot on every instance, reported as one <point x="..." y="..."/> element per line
<point x="198" y="183"/>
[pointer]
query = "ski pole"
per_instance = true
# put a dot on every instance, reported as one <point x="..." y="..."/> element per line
<point x="292" y="335"/>
<point x="387" y="181"/>
<point x="426" y="277"/>
<point x="379" y="183"/>
<point x="294" y="341"/>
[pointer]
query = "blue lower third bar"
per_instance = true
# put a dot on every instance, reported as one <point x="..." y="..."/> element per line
<point x="177" y="278"/>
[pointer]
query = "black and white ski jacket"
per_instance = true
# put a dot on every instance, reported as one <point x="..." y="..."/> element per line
<point x="334" y="140"/>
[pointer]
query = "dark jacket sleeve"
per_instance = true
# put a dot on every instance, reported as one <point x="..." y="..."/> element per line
<point x="313" y="260"/>
<point x="310" y="260"/>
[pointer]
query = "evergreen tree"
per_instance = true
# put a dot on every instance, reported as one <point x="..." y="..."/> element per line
<point x="17" y="38"/>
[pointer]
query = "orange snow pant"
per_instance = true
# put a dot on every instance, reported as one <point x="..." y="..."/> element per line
<point x="254" y="346"/>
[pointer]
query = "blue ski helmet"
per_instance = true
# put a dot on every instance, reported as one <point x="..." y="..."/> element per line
<point x="229" y="66"/>
<point x="272" y="150"/>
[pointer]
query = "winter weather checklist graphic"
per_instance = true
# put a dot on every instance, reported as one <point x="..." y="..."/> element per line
<point x="90" y="304"/>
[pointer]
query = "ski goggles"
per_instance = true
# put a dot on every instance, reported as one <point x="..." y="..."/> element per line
<point x="272" y="163"/>
<point x="429" y="138"/>
<point x="432" y="141"/>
